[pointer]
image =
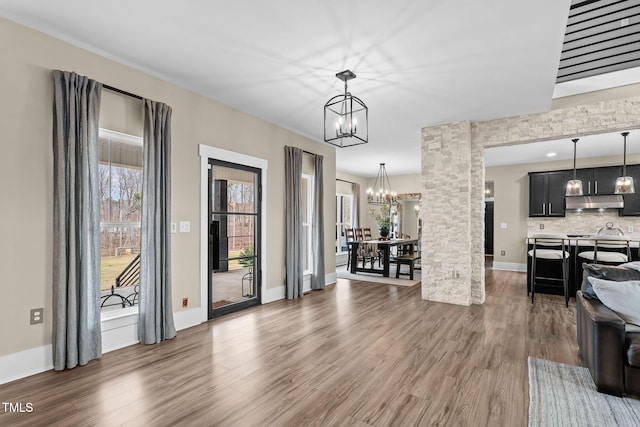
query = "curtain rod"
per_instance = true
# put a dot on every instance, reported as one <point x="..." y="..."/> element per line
<point x="344" y="180"/>
<point x="123" y="92"/>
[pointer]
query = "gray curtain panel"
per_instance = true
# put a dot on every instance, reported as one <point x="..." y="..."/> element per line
<point x="317" y="226"/>
<point x="155" y="321"/>
<point x="76" y="221"/>
<point x="355" y="221"/>
<point x="293" y="222"/>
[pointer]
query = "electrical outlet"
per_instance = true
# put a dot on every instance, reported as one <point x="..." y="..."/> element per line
<point x="503" y="253"/>
<point x="630" y="229"/>
<point x="541" y="226"/>
<point x="185" y="226"/>
<point x="37" y="316"/>
<point x="174" y="227"/>
<point x="185" y="302"/>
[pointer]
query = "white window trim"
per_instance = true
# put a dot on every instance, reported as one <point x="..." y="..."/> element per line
<point x="338" y="224"/>
<point x="309" y="223"/>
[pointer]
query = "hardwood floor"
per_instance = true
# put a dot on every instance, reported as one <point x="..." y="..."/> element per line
<point x="355" y="354"/>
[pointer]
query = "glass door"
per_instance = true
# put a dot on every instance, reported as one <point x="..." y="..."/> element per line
<point x="234" y="237"/>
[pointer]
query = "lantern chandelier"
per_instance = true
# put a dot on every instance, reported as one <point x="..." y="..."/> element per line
<point x="381" y="193"/>
<point x="346" y="117"/>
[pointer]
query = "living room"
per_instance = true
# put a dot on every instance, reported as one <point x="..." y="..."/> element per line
<point x="35" y="44"/>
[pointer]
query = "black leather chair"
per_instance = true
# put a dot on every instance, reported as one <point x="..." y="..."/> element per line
<point x="610" y="352"/>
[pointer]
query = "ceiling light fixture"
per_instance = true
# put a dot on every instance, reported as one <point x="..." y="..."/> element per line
<point x="346" y="117"/>
<point x="551" y="154"/>
<point x="624" y="184"/>
<point x="381" y="193"/>
<point x="574" y="186"/>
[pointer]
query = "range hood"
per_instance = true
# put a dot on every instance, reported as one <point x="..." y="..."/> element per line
<point x="613" y="201"/>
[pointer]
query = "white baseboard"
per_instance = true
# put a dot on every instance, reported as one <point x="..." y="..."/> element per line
<point x="184" y="319"/>
<point x="273" y="294"/>
<point x="25" y="363"/>
<point x="276" y="294"/>
<point x="330" y="278"/>
<point x="510" y="266"/>
<point x="119" y="330"/>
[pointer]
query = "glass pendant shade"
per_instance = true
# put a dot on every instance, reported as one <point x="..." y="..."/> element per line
<point x="624" y="184"/>
<point x="574" y="186"/>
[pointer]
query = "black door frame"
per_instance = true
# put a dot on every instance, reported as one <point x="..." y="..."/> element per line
<point x="257" y="269"/>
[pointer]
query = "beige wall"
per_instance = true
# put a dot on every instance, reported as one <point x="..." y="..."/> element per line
<point x="512" y="206"/>
<point x="26" y="171"/>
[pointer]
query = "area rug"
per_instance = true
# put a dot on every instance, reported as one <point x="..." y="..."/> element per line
<point x="343" y="273"/>
<point x="565" y="395"/>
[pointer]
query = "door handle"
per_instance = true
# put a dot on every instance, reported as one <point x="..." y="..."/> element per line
<point x="544" y="212"/>
<point x="215" y="245"/>
<point x="596" y="185"/>
<point x="549" y="208"/>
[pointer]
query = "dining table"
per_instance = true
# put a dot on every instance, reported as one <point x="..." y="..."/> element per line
<point x="385" y="245"/>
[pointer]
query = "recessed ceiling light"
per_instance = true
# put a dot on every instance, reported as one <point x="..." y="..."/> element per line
<point x="551" y="154"/>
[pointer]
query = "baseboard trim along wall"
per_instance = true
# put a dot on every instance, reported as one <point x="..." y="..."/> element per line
<point x="25" y="363"/>
<point x="276" y="294"/>
<point x="510" y="266"/>
<point x="119" y="330"/>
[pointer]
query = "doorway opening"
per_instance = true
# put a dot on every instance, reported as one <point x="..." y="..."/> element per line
<point x="234" y="206"/>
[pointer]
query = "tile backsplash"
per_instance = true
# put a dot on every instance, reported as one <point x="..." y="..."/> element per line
<point x="585" y="222"/>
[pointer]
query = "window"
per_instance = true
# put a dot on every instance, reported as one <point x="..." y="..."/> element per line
<point x="344" y="215"/>
<point x="307" y="209"/>
<point x="120" y="172"/>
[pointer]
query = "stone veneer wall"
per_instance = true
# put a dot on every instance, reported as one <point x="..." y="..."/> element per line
<point x="453" y="183"/>
<point x="586" y="222"/>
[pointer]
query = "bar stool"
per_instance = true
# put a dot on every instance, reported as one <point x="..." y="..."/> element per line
<point x="550" y="248"/>
<point x="609" y="250"/>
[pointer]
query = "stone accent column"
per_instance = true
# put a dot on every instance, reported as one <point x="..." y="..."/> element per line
<point x="447" y="214"/>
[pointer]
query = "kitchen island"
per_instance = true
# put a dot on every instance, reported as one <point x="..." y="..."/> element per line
<point x="577" y="243"/>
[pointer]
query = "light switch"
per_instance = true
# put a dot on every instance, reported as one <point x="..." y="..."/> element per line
<point x="503" y="225"/>
<point x="185" y="226"/>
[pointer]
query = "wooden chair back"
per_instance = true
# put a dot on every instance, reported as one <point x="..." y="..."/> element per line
<point x="367" y="234"/>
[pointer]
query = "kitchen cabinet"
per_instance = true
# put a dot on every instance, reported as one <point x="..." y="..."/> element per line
<point x="632" y="201"/>
<point x="546" y="193"/>
<point x="604" y="179"/>
<point x="598" y="180"/>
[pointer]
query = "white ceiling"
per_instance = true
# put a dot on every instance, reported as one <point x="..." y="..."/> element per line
<point x="419" y="63"/>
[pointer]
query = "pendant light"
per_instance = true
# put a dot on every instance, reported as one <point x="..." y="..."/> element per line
<point x="624" y="184"/>
<point x="574" y="186"/>
<point x="346" y="117"/>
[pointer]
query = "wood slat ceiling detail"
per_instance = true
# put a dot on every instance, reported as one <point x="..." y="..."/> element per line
<point x="602" y="36"/>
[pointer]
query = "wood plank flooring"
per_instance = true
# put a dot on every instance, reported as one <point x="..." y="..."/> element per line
<point x="355" y="354"/>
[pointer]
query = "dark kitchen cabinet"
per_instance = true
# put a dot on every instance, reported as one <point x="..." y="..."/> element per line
<point x="632" y="201"/>
<point x="604" y="179"/>
<point x="546" y="193"/>
<point x="597" y="181"/>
